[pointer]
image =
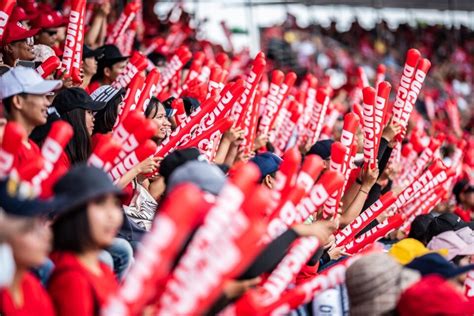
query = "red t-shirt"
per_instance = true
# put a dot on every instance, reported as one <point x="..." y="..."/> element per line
<point x="63" y="161"/>
<point x="26" y="152"/>
<point x="94" y="85"/>
<point x="464" y="214"/>
<point x="77" y="291"/>
<point x="35" y="300"/>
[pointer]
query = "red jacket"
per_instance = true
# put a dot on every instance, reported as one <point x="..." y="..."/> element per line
<point x="77" y="291"/>
<point x="35" y="300"/>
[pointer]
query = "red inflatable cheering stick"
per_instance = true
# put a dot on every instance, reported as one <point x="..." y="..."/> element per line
<point x="173" y="223"/>
<point x="136" y="64"/>
<point x="72" y="57"/>
<point x="127" y="16"/>
<point x="13" y="137"/>
<point x="48" y="66"/>
<point x="412" y="58"/>
<point x="105" y="152"/>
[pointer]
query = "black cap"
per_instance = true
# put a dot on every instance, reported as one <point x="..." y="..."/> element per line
<point x="443" y="223"/>
<point x="80" y="185"/>
<point x="434" y="263"/>
<point x="462" y="186"/>
<point x="176" y="159"/>
<point x="190" y="105"/>
<point x="88" y="52"/>
<point x="75" y="98"/>
<point x="419" y="227"/>
<point x="13" y="203"/>
<point x="111" y="55"/>
<point x="322" y="148"/>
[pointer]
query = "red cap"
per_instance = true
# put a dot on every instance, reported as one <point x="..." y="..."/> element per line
<point x="18" y="14"/>
<point x="47" y="21"/>
<point x="15" y="31"/>
<point x="31" y="8"/>
<point x="433" y="295"/>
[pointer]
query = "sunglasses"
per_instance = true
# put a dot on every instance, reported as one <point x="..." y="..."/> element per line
<point x="51" y="32"/>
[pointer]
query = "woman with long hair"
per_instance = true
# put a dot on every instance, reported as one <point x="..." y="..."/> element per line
<point x="77" y="108"/>
<point x="89" y="219"/>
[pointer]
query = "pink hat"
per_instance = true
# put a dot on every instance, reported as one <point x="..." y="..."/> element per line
<point x="458" y="243"/>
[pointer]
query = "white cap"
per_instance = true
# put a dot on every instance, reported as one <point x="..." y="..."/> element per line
<point x="25" y="80"/>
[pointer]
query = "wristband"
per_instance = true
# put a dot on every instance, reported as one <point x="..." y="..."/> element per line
<point x="364" y="191"/>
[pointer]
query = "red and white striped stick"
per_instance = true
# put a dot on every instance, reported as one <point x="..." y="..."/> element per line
<point x="74" y="37"/>
<point x="415" y="87"/>
<point x="137" y="63"/>
<point x="123" y="22"/>
<point x="380" y="109"/>
<point x="13" y="136"/>
<point x="317" y="118"/>
<point x="301" y="294"/>
<point x="149" y="90"/>
<point x="240" y="110"/>
<point x="131" y="98"/>
<point x="271" y="106"/>
<point x="337" y="164"/>
<point x="176" y="63"/>
<point x="369" y="128"/>
<point x="412" y="58"/>
<point x="105" y="152"/>
<point x="360" y="222"/>
<point x="177" y="216"/>
<point x="190" y="289"/>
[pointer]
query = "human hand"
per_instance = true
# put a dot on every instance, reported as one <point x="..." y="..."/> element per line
<point x="236" y="288"/>
<point x="320" y="229"/>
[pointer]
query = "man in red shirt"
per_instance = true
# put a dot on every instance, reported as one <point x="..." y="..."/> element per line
<point x="110" y="65"/>
<point x="24" y="96"/>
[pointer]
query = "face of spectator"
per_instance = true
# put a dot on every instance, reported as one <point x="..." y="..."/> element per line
<point x="105" y="219"/>
<point x="90" y="66"/>
<point x="48" y="37"/>
<point x="114" y="72"/>
<point x="32" y="244"/>
<point x="90" y="122"/>
<point x="33" y="108"/>
<point x="3" y="122"/>
<point x="163" y="126"/>
<point x="22" y="50"/>
<point x="468" y="199"/>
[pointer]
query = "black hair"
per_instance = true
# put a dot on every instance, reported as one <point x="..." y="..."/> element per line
<point x="71" y="231"/>
<point x="419" y="228"/>
<point x="105" y="118"/>
<point x="8" y="102"/>
<point x="79" y="147"/>
<point x="152" y="108"/>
